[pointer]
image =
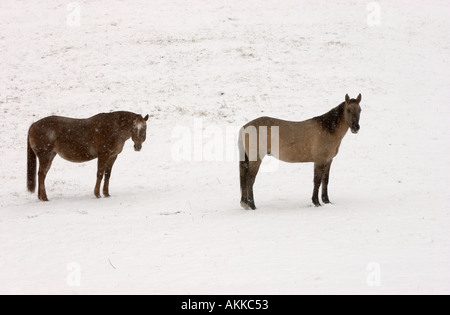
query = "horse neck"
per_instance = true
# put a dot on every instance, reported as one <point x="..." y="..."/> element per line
<point x="333" y="121"/>
<point x="126" y="125"/>
<point x="342" y="129"/>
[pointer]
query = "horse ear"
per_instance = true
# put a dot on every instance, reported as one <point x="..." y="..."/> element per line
<point x="347" y="98"/>
<point x="358" y="99"/>
<point x="146" y="118"/>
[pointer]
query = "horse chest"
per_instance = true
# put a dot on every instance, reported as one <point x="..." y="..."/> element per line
<point x="113" y="148"/>
<point x="326" y="148"/>
<point x="118" y="149"/>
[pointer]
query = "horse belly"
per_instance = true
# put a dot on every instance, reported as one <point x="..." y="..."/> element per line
<point x="296" y="150"/>
<point x="295" y="155"/>
<point x="75" y="152"/>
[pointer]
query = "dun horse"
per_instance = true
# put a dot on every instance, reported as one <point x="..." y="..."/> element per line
<point x="315" y="140"/>
<point x="79" y="140"/>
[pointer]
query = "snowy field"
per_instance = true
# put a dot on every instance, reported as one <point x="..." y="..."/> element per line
<point x="176" y="227"/>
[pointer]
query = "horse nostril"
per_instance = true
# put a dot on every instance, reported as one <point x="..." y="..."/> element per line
<point x="355" y="127"/>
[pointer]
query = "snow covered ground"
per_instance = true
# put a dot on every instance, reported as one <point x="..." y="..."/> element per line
<point x="176" y="227"/>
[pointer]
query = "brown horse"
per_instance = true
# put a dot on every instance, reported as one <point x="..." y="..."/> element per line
<point x="79" y="140"/>
<point x="315" y="140"/>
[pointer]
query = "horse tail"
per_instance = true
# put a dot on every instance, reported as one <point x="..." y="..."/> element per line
<point x="31" y="168"/>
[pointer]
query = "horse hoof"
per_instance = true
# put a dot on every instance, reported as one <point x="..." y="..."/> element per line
<point x="107" y="195"/>
<point x="248" y="206"/>
<point x="252" y="206"/>
<point x="43" y="197"/>
<point x="245" y="206"/>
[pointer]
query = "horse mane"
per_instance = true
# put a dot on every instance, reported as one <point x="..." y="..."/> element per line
<point x="124" y="118"/>
<point x="331" y="120"/>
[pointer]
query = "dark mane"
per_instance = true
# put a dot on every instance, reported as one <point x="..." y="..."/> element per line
<point x="123" y="118"/>
<point x="331" y="120"/>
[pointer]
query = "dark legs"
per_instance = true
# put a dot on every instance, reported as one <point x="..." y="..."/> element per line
<point x="108" y="176"/>
<point x="105" y="165"/>
<point x="45" y="162"/>
<point x="243" y="170"/>
<point x="100" y="173"/>
<point x="325" y="180"/>
<point x="321" y="176"/>
<point x="248" y="172"/>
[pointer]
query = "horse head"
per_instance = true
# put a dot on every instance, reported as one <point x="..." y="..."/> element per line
<point x="139" y="132"/>
<point x="352" y="112"/>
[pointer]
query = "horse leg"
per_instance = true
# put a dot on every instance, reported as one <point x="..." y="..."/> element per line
<point x="251" y="177"/>
<point x="325" y="180"/>
<point x="243" y="170"/>
<point x="102" y="163"/>
<point x="109" y="167"/>
<point x="45" y="162"/>
<point x="319" y="170"/>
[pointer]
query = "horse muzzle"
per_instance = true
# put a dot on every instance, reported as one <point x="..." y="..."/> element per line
<point x="137" y="147"/>
<point x="355" y="128"/>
